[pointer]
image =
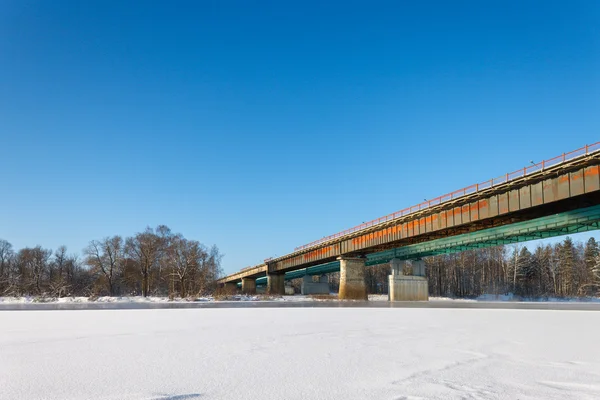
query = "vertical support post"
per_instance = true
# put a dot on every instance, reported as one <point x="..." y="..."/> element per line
<point x="397" y="270"/>
<point x="275" y="284"/>
<point x="408" y="287"/>
<point x="352" y="278"/>
<point x="249" y="285"/>
<point x="397" y="266"/>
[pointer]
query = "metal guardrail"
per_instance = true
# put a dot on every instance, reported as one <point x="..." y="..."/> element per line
<point x="541" y="166"/>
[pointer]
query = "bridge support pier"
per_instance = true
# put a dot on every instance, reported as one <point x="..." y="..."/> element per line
<point x="276" y="284"/>
<point x="352" y="279"/>
<point x="249" y="285"/>
<point x="397" y="266"/>
<point x="408" y="287"/>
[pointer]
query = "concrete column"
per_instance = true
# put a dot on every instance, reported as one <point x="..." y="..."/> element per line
<point x="418" y="267"/>
<point x="397" y="266"/>
<point x="276" y="284"/>
<point x="352" y="279"/>
<point x="230" y="287"/>
<point x="397" y="269"/>
<point x="409" y="287"/>
<point x="249" y="285"/>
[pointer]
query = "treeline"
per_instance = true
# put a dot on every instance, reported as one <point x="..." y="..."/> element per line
<point x="153" y="262"/>
<point x="565" y="269"/>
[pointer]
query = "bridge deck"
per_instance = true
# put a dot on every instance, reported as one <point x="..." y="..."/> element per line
<point x="572" y="182"/>
<point x="556" y="225"/>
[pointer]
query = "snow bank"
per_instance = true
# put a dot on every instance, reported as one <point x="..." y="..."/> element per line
<point x="150" y="299"/>
<point x="104" y="299"/>
<point x="294" y="298"/>
<point x="512" y="297"/>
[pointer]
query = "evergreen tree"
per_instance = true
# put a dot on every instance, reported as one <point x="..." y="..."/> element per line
<point x="590" y="255"/>
<point x="526" y="273"/>
<point x="596" y="270"/>
<point x="566" y="258"/>
<point x="541" y="261"/>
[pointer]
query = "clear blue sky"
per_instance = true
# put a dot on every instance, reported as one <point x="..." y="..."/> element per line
<point x="261" y="126"/>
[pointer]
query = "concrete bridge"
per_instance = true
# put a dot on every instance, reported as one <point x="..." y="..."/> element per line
<point x="554" y="197"/>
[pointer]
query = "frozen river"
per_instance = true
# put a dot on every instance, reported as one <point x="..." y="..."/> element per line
<point x="257" y="352"/>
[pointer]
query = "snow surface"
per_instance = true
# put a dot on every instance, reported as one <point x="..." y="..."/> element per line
<point x="299" y="353"/>
<point x="294" y="298"/>
<point x="103" y="299"/>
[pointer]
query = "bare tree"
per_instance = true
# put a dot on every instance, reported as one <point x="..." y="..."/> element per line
<point x="165" y="237"/>
<point x="106" y="258"/>
<point x="6" y="255"/>
<point x="184" y="258"/>
<point x="144" y="250"/>
<point x="210" y="269"/>
<point x="57" y="276"/>
<point x="33" y="266"/>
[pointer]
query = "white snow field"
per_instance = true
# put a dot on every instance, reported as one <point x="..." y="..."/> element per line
<point x="300" y="353"/>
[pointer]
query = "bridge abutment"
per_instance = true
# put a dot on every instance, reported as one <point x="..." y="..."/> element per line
<point x="352" y="278"/>
<point x="249" y="285"/>
<point x="408" y="287"/>
<point x="276" y="284"/>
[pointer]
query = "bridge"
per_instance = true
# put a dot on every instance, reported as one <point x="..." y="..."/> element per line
<point x="555" y="197"/>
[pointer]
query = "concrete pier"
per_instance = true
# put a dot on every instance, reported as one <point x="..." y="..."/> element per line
<point x="276" y="284"/>
<point x="408" y="287"/>
<point x="352" y="279"/>
<point x="249" y="285"/>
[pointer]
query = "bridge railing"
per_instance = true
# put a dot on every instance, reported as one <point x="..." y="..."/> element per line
<point x="463" y="192"/>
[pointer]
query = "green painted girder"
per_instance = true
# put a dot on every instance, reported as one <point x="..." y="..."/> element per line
<point x="582" y="220"/>
<point x="316" y="270"/>
<point x="555" y="225"/>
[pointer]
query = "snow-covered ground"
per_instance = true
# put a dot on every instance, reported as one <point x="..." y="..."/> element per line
<point x="299" y="353"/>
<point x="140" y="299"/>
<point x="294" y="298"/>
<point x="104" y="299"/>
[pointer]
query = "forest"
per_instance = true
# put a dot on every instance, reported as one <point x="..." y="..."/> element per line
<point x="153" y="262"/>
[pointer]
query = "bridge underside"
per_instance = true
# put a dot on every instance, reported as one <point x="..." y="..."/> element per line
<point x="570" y="222"/>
